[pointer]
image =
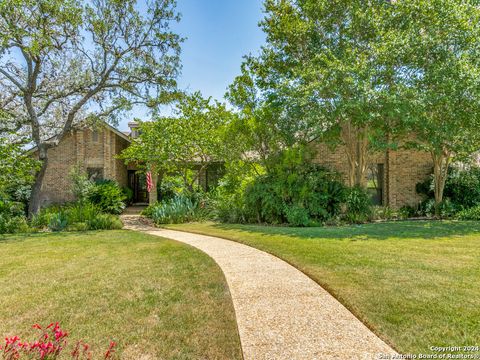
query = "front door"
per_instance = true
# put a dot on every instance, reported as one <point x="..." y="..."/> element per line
<point x="138" y="183"/>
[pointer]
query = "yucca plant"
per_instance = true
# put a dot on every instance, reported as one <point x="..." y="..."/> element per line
<point x="180" y="209"/>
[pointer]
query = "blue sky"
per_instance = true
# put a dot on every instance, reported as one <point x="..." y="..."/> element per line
<point x="219" y="33"/>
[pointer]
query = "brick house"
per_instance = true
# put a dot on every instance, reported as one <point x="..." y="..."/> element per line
<point x="95" y="152"/>
<point x="392" y="175"/>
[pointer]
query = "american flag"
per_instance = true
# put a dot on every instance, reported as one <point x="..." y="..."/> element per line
<point x="149" y="181"/>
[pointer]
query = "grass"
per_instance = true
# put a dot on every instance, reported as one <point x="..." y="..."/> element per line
<point x="157" y="298"/>
<point x="415" y="284"/>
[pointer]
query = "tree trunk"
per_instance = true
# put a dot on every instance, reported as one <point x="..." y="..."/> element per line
<point x="441" y="162"/>
<point x="34" y="204"/>
<point x="362" y="153"/>
<point x="356" y="148"/>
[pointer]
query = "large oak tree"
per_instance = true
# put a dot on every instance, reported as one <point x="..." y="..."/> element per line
<point x="63" y="61"/>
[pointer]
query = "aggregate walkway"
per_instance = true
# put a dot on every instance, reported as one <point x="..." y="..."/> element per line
<point x="281" y="313"/>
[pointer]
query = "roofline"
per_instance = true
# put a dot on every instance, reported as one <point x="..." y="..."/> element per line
<point x="118" y="132"/>
<point x="107" y="125"/>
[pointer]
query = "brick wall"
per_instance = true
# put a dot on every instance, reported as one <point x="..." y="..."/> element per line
<point x="61" y="159"/>
<point x="120" y="169"/>
<point x="86" y="149"/>
<point x="403" y="169"/>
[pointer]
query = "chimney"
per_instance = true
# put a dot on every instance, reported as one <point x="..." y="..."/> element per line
<point x="133" y="125"/>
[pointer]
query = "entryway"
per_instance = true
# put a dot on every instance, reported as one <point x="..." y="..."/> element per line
<point x="138" y="183"/>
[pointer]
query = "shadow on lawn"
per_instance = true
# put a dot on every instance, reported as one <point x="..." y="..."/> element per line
<point x="374" y="231"/>
<point x="17" y="237"/>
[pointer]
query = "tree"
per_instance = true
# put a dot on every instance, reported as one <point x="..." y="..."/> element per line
<point x="62" y="61"/>
<point x="195" y="135"/>
<point x="325" y="68"/>
<point x="439" y="52"/>
<point x="257" y="128"/>
<point x="17" y="168"/>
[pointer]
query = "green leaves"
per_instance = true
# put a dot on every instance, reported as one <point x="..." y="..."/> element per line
<point x="195" y="136"/>
<point x="17" y="168"/>
<point x="37" y="27"/>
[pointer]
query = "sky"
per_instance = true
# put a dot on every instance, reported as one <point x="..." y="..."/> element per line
<point x="218" y="34"/>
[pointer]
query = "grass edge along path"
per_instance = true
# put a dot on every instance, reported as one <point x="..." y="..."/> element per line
<point x="157" y="298"/>
<point x="415" y="284"/>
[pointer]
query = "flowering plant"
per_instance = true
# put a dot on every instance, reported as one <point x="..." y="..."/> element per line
<point x="50" y="345"/>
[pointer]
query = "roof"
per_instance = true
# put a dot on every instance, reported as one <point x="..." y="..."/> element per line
<point x="118" y="132"/>
<point x="105" y="124"/>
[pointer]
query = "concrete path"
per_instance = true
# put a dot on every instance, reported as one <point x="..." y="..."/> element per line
<point x="281" y="313"/>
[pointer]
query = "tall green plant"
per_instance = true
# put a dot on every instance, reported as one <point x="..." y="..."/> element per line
<point x="177" y="210"/>
<point x="108" y="196"/>
<point x="17" y="169"/>
<point x="81" y="185"/>
<point x="294" y="190"/>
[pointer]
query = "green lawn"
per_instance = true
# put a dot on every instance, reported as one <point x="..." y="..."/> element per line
<point x="157" y="298"/>
<point x="416" y="284"/>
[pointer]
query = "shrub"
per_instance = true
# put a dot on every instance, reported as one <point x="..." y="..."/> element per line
<point x="462" y="189"/>
<point x="12" y="216"/>
<point x="297" y="216"/>
<point x="81" y="212"/>
<point x="11" y="208"/>
<point x="383" y="213"/>
<point x="358" y="205"/>
<point x="81" y="186"/>
<point x="58" y="221"/>
<point x="178" y="210"/>
<point x="294" y="189"/>
<point x="229" y="208"/>
<point x="264" y="201"/>
<point x="170" y="187"/>
<point x="108" y="196"/>
<point x="472" y="213"/>
<point x="128" y="195"/>
<point x="446" y="208"/>
<point x="11" y="225"/>
<point x="229" y="197"/>
<point x="43" y="217"/>
<point x="104" y="222"/>
<point x="75" y="217"/>
<point x="407" y="211"/>
<point x="80" y="226"/>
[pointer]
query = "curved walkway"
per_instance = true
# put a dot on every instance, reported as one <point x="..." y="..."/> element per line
<point x="281" y="313"/>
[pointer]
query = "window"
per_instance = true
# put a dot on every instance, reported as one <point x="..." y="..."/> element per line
<point x="375" y="177"/>
<point x="95" y="136"/>
<point x="95" y="174"/>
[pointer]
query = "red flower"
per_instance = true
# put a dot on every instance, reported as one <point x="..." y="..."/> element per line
<point x="36" y="326"/>
<point x="110" y="350"/>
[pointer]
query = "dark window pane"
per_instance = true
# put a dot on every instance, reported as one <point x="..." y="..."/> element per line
<point x="375" y="179"/>
<point x="95" y="173"/>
